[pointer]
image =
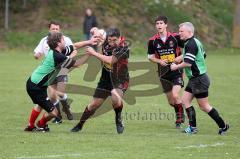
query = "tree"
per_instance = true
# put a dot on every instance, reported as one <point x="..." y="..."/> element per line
<point x="236" y="25"/>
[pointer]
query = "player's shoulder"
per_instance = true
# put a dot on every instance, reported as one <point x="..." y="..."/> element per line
<point x="154" y="37"/>
<point x="44" y="39"/>
<point x="123" y="42"/>
<point x="173" y="34"/>
<point x="67" y="40"/>
<point x="66" y="37"/>
<point x="191" y="43"/>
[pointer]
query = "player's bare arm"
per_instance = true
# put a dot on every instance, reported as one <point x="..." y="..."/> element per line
<point x="37" y="55"/>
<point x="80" y="44"/>
<point x="152" y="58"/>
<point x="179" y="66"/>
<point x="103" y="58"/>
<point x="178" y="59"/>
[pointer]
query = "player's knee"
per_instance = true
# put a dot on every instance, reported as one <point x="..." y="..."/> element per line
<point x="93" y="105"/>
<point x="54" y="113"/>
<point x="175" y="96"/>
<point x="117" y="104"/>
<point x="203" y="108"/>
<point x="206" y="108"/>
<point x="53" y="98"/>
<point x="186" y="102"/>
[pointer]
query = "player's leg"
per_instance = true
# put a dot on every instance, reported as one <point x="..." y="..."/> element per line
<point x="88" y="112"/>
<point x="101" y="93"/>
<point x="213" y="113"/>
<point x="178" y="105"/>
<point x="39" y="96"/>
<point x="33" y="91"/>
<point x="172" y="88"/>
<point x="47" y="116"/>
<point x="44" y="102"/>
<point x="52" y="93"/>
<point x="36" y="110"/>
<point x="61" y="91"/>
<point x="117" y="102"/>
<point x="187" y="102"/>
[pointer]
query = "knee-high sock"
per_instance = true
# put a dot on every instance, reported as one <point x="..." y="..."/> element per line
<point x="216" y="117"/>
<point x="34" y="115"/>
<point x="118" y="111"/>
<point x="43" y="121"/>
<point x="85" y="116"/>
<point x="179" y="113"/>
<point x="191" y="116"/>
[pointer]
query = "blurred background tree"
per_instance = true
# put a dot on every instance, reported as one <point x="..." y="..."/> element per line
<point x="236" y="25"/>
<point x="26" y="20"/>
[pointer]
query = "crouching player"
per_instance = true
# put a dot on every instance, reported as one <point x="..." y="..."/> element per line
<point x="39" y="80"/>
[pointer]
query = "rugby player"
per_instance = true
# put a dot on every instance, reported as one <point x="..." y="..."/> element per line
<point x="193" y="62"/>
<point x="114" y="79"/>
<point x="42" y="49"/>
<point x="40" y="79"/>
<point x="163" y="49"/>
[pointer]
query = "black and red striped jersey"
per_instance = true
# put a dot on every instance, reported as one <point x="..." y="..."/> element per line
<point x="118" y="71"/>
<point x="166" y="50"/>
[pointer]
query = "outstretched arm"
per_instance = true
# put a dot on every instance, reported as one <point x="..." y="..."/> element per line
<point x="103" y="58"/>
<point x="81" y="61"/>
<point x="80" y="44"/>
<point x="179" y="66"/>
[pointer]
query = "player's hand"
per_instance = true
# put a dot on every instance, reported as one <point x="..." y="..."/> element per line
<point x="178" y="59"/>
<point x="93" y="30"/>
<point x="94" y="40"/>
<point x="37" y="56"/>
<point x="173" y="67"/>
<point x="163" y="62"/>
<point x="90" y="50"/>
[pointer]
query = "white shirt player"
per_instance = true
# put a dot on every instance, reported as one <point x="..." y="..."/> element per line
<point x="43" y="47"/>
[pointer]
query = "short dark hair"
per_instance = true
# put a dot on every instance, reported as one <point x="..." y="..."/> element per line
<point x="53" y="22"/>
<point x="113" y="32"/>
<point x="53" y="40"/>
<point x="162" y="18"/>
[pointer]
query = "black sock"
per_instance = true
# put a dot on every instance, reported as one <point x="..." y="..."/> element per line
<point x="216" y="117"/>
<point x="179" y="113"/>
<point x="191" y="116"/>
<point x="63" y="102"/>
<point x="85" y="116"/>
<point x="58" y="108"/>
<point x="118" y="111"/>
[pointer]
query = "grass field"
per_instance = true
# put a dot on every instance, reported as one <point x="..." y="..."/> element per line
<point x="144" y="137"/>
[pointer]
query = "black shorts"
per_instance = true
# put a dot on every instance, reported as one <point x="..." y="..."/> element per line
<point x="39" y="96"/>
<point x="104" y="88"/>
<point x="198" y="86"/>
<point x="168" y="83"/>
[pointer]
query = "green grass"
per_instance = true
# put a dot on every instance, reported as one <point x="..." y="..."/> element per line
<point x="142" y="138"/>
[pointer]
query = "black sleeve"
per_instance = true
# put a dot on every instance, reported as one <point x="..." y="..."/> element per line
<point x="68" y="50"/>
<point x="59" y="58"/>
<point x="68" y="63"/>
<point x="191" y="51"/>
<point x="151" y="49"/>
<point x="179" y="41"/>
<point x="121" y="52"/>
